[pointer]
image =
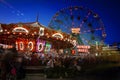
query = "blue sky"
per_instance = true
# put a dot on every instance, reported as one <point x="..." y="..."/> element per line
<point x="13" y="11"/>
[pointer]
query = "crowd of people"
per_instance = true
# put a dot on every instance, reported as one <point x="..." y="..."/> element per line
<point x="12" y="63"/>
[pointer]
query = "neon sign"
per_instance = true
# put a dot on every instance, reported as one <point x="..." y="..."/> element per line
<point x="74" y="42"/>
<point x="41" y="32"/>
<point x="47" y="47"/>
<point x="75" y="30"/>
<point x="16" y="46"/>
<point x="40" y="45"/>
<point x="20" y="29"/>
<point x="21" y="46"/>
<point x="83" y="48"/>
<point x="58" y="35"/>
<point x="30" y="45"/>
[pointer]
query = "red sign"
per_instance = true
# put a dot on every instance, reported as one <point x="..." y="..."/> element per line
<point x="83" y="48"/>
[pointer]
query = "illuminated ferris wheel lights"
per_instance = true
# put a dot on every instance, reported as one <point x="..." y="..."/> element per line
<point x="89" y="23"/>
<point x="104" y="35"/>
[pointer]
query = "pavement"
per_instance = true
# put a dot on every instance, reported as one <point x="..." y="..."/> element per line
<point x="40" y="77"/>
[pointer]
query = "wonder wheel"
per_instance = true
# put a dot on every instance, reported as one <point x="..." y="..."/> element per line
<point x="80" y="22"/>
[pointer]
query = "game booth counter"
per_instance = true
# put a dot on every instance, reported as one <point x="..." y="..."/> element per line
<point x="33" y="36"/>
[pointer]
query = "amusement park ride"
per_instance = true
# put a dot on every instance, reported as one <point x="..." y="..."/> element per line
<point x="33" y="37"/>
<point x="75" y="29"/>
<point x="82" y="23"/>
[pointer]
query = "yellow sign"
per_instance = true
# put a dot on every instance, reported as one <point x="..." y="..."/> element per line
<point x="75" y="30"/>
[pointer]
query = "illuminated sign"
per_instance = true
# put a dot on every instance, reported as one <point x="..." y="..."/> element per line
<point x="47" y="47"/>
<point x="20" y="29"/>
<point x="58" y="35"/>
<point x="16" y="46"/>
<point x="41" y="32"/>
<point x="6" y="46"/>
<point x="83" y="48"/>
<point x="73" y="52"/>
<point x="40" y="45"/>
<point x="30" y="45"/>
<point x="74" y="42"/>
<point x="21" y="46"/>
<point x="75" y="30"/>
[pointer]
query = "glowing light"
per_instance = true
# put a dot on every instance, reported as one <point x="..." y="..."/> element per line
<point x="75" y="30"/>
<point x="21" y="46"/>
<point x="6" y="46"/>
<point x="1" y="30"/>
<point x="35" y="32"/>
<point x="58" y="35"/>
<point x="16" y="46"/>
<point x="40" y="45"/>
<point x="74" y="42"/>
<point x="20" y="33"/>
<point x="5" y="29"/>
<point x="41" y="32"/>
<point x="20" y="29"/>
<point x="83" y="48"/>
<point x="8" y="32"/>
<point x="30" y="45"/>
<point x="13" y="33"/>
<point x="47" y="47"/>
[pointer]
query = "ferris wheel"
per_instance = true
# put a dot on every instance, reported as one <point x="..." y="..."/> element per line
<point x="89" y="26"/>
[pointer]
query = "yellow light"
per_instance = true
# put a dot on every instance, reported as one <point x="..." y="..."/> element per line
<point x="8" y="32"/>
<point x="32" y="34"/>
<point x="30" y="45"/>
<point x="5" y="29"/>
<point x="20" y="33"/>
<point x="35" y="32"/>
<point x="14" y="33"/>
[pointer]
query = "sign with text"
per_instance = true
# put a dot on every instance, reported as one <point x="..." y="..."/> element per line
<point x="83" y="48"/>
<point x="75" y="30"/>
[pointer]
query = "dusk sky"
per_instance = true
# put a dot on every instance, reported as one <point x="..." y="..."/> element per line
<point x="14" y="11"/>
